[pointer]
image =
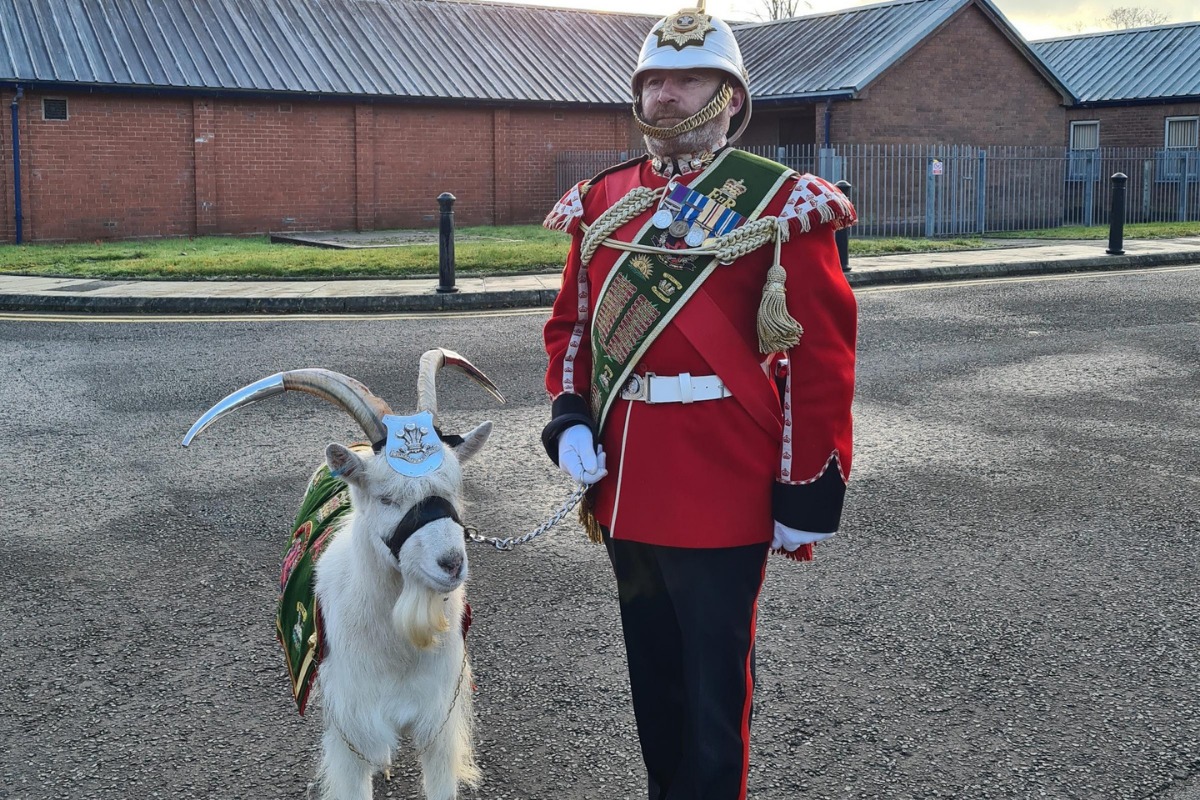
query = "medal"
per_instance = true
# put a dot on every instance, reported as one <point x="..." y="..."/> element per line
<point x="662" y="218"/>
<point x="679" y="228"/>
<point x="696" y="236"/>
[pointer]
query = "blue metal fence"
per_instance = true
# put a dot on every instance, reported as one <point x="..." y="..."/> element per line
<point x="958" y="190"/>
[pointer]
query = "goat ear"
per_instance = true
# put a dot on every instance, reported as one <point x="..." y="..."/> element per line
<point x="343" y="463"/>
<point x="472" y="442"/>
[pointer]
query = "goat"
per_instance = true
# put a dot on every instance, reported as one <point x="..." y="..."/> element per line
<point x="389" y="595"/>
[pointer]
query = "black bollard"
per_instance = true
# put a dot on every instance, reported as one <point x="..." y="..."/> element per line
<point x="842" y="236"/>
<point x="1116" y="216"/>
<point x="446" y="244"/>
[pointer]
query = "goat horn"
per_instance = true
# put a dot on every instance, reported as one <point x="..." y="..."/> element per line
<point x="434" y="360"/>
<point x="341" y="390"/>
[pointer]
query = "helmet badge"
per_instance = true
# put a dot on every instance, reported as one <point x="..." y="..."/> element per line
<point x="684" y="28"/>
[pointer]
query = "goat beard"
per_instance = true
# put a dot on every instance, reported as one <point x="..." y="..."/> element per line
<point x="420" y="616"/>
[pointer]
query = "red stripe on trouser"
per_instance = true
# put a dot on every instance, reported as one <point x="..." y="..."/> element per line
<point x="750" y="687"/>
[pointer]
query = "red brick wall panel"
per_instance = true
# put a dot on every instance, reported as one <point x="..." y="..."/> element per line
<point x="1133" y="126"/>
<point x="284" y="166"/>
<point x="118" y="167"/>
<point x="965" y="84"/>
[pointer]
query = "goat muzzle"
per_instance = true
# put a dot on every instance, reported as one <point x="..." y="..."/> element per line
<point x="428" y="510"/>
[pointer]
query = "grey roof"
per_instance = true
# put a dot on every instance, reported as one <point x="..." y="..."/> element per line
<point x="396" y="48"/>
<point x="435" y="49"/>
<point x="841" y="52"/>
<point x="837" y="52"/>
<point x="1157" y="63"/>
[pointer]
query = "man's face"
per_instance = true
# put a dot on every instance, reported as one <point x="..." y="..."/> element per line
<point x="669" y="96"/>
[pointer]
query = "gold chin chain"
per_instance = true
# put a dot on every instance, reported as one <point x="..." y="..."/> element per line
<point x="719" y="103"/>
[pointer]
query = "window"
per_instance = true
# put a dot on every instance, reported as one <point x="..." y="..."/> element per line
<point x="1083" y="159"/>
<point x="1085" y="135"/>
<point x="1182" y="132"/>
<point x="54" y="108"/>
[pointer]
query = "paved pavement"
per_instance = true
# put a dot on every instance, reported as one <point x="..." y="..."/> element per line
<point x="21" y="293"/>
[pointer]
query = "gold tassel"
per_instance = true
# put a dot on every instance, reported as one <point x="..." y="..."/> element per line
<point x="588" y="520"/>
<point x="777" y="330"/>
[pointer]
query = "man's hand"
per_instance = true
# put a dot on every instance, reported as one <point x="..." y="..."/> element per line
<point x="789" y="538"/>
<point x="578" y="456"/>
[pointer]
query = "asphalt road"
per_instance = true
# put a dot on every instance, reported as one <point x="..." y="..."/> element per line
<point x="1010" y="610"/>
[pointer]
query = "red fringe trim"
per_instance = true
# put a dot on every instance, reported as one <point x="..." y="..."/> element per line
<point x="802" y="553"/>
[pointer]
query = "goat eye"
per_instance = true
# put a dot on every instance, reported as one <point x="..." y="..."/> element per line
<point x="387" y="501"/>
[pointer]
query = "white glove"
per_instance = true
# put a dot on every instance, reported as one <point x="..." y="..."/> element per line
<point x="789" y="538"/>
<point x="579" y="457"/>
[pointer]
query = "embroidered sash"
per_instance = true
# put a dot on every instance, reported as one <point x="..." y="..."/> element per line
<point x="644" y="291"/>
<point x="298" y="619"/>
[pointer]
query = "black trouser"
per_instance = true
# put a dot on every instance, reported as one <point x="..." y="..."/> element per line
<point x="688" y="617"/>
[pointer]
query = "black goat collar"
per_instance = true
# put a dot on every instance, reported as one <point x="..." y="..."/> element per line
<point x="424" y="512"/>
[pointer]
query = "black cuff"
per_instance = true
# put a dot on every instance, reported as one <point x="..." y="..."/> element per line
<point x="567" y="410"/>
<point x="814" y="507"/>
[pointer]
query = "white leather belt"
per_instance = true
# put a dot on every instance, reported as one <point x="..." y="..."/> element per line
<point x="681" y="388"/>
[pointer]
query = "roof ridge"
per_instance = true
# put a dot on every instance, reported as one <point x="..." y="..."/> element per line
<point x="505" y="4"/>
<point x="1118" y="31"/>
<point x="837" y="12"/>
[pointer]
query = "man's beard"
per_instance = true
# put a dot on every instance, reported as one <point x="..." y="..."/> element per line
<point x="706" y="138"/>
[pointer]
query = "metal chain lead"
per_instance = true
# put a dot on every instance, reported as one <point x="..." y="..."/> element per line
<point x="512" y="541"/>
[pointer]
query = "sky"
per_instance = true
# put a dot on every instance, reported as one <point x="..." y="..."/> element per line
<point x="1035" y="19"/>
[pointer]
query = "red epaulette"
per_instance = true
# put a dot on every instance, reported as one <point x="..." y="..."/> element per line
<point x="815" y="201"/>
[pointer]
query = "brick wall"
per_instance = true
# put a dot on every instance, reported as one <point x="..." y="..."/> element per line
<point x="965" y="84"/>
<point x="1133" y="126"/>
<point x="115" y="168"/>
<point x="131" y="166"/>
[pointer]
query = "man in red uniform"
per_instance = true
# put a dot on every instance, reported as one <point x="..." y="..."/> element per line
<point x="702" y="369"/>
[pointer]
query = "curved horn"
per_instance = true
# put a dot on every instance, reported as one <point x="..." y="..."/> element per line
<point x="339" y="389"/>
<point x="434" y="360"/>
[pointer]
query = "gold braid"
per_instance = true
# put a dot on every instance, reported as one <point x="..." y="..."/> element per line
<point x="628" y="207"/>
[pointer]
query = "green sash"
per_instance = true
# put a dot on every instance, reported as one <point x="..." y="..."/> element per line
<point x="298" y="620"/>
<point x="644" y="291"/>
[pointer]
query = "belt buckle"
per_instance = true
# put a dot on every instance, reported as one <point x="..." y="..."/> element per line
<point x="638" y="387"/>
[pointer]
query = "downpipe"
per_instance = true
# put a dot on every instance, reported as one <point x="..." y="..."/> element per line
<point x="16" y="148"/>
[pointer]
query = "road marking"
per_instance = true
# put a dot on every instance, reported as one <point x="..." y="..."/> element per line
<point x="1060" y="276"/>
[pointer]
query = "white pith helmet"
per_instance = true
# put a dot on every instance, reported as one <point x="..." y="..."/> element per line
<point x="692" y="39"/>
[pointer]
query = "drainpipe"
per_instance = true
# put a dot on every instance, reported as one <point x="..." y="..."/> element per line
<point x="16" y="146"/>
<point x="828" y="117"/>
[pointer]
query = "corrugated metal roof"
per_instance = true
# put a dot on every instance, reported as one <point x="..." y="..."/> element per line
<point x="434" y="49"/>
<point x="398" y="48"/>
<point x="1157" y="63"/>
<point x="841" y="51"/>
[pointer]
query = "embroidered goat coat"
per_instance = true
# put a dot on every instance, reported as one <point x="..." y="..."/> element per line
<point x="712" y="473"/>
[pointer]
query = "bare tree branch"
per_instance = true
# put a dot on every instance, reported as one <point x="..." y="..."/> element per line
<point x="781" y="9"/>
<point x="1133" y="17"/>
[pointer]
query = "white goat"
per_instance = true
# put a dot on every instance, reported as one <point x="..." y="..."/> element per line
<point x="389" y="586"/>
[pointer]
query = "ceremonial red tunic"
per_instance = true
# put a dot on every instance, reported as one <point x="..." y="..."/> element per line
<point x="707" y="474"/>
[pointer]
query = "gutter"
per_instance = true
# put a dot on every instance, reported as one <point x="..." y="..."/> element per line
<point x="16" y="147"/>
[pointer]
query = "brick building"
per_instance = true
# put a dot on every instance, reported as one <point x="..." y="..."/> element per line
<point x="232" y="116"/>
<point x="922" y="71"/>
<point x="1133" y="88"/>
<point x="245" y="116"/>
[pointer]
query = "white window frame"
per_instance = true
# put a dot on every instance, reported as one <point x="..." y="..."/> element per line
<point x="1167" y="133"/>
<point x="1083" y="163"/>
